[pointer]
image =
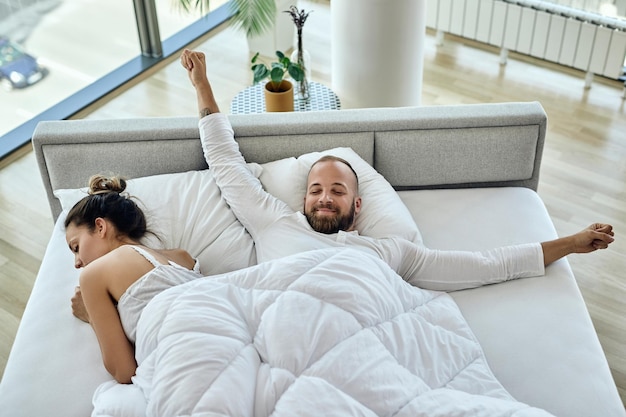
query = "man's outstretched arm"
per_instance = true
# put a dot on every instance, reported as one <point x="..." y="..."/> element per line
<point x="195" y="64"/>
<point x="446" y="270"/>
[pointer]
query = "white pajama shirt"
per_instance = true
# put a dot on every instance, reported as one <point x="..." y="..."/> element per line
<point x="279" y="231"/>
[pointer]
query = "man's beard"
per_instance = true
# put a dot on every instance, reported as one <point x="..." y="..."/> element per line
<point x="331" y="224"/>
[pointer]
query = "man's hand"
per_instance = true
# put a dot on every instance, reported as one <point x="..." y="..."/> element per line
<point x="78" y="306"/>
<point x="195" y="64"/>
<point x="596" y="236"/>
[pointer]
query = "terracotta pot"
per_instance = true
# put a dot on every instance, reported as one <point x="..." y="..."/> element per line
<point x="280" y="99"/>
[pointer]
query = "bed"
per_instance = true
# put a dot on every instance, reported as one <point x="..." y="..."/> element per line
<point x="450" y="177"/>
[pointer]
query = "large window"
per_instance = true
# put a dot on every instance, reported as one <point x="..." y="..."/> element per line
<point x="55" y="51"/>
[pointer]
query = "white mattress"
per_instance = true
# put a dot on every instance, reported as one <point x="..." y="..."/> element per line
<point x="536" y="333"/>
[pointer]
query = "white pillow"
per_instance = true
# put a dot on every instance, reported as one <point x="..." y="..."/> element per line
<point x="383" y="214"/>
<point x="186" y="210"/>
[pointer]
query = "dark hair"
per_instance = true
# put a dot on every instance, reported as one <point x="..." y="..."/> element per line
<point x="326" y="158"/>
<point x="106" y="201"/>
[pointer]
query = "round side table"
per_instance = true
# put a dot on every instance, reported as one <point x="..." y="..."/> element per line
<point x="252" y="100"/>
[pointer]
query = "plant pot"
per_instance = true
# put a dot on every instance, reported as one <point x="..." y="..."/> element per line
<point x="279" y="99"/>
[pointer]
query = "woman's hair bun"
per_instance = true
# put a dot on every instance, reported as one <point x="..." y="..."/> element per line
<point x="100" y="184"/>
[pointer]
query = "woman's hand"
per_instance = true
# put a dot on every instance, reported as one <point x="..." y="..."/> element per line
<point x="78" y="306"/>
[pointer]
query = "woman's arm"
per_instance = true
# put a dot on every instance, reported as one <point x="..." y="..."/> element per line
<point x="117" y="352"/>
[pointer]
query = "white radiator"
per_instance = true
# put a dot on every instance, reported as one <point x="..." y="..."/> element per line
<point x="586" y="41"/>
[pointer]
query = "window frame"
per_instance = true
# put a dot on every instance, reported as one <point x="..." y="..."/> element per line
<point x="65" y="109"/>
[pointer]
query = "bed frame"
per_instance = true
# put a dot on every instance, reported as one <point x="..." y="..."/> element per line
<point x="467" y="173"/>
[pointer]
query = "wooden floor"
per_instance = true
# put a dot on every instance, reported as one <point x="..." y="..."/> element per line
<point x="583" y="177"/>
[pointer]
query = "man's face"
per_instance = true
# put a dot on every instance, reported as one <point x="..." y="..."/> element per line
<point x="331" y="202"/>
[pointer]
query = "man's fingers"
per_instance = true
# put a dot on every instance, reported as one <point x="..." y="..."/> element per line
<point x="601" y="240"/>
<point x="185" y="59"/>
<point x="600" y="244"/>
<point x="605" y="237"/>
<point x="196" y="58"/>
<point x="604" y="228"/>
<point x="190" y="59"/>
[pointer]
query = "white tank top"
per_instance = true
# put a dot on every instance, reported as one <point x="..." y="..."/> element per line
<point x="162" y="277"/>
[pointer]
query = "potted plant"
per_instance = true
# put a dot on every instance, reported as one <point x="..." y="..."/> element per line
<point x="278" y="90"/>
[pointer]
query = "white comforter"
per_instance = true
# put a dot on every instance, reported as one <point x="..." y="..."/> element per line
<point x="329" y="332"/>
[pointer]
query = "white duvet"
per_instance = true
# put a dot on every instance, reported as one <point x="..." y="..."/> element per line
<point x="328" y="332"/>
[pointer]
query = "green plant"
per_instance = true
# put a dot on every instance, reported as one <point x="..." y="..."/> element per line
<point x="277" y="70"/>
<point x="252" y="16"/>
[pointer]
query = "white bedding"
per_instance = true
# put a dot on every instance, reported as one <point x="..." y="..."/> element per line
<point x="321" y="333"/>
<point x="536" y="333"/>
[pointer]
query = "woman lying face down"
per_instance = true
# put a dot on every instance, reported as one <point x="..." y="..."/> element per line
<point x="104" y="231"/>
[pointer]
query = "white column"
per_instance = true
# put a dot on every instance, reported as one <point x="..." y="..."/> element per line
<point x="377" y="52"/>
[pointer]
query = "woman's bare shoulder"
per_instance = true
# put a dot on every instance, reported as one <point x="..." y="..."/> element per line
<point x="117" y="270"/>
<point x="102" y="270"/>
<point x="179" y="256"/>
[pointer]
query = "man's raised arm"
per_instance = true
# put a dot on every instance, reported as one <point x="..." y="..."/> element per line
<point x="195" y="64"/>
<point x="251" y="204"/>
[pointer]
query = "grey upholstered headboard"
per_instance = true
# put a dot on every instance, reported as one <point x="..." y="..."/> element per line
<point x="472" y="145"/>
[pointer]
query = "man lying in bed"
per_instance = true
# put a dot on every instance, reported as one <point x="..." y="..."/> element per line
<point x="332" y="203"/>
